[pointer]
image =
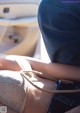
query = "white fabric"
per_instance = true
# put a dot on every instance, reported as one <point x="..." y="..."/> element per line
<point x="12" y="89"/>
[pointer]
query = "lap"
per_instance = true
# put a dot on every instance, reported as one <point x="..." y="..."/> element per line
<point x="13" y="93"/>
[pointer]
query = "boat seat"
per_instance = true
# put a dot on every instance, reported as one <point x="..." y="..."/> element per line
<point x="25" y="22"/>
<point x="18" y="8"/>
<point x="19" y="29"/>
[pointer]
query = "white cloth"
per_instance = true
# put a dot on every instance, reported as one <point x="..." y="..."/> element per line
<point x="12" y="89"/>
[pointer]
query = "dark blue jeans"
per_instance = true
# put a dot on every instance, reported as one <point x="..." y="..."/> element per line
<point x="59" y="23"/>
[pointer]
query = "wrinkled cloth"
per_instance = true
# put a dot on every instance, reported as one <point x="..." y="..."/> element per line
<point x="12" y="89"/>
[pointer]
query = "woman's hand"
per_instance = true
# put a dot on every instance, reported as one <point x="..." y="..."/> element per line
<point x="9" y="65"/>
<point x="16" y="65"/>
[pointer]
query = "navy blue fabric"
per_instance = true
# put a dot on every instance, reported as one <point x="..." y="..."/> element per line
<point x="59" y="23"/>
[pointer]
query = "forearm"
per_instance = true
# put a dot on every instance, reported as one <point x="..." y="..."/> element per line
<point x="62" y="71"/>
<point x="56" y="70"/>
<point x="9" y="65"/>
<point x="50" y="71"/>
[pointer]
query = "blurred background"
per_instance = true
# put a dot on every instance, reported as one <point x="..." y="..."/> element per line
<point x="19" y="30"/>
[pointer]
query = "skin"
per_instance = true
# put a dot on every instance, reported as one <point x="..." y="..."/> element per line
<point x="32" y="98"/>
<point x="57" y="71"/>
<point x="51" y="71"/>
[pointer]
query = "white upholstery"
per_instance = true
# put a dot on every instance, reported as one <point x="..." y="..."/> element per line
<point x="19" y="22"/>
<point x="18" y="8"/>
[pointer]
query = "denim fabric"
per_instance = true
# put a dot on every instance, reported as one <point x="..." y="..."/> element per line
<point x="59" y="23"/>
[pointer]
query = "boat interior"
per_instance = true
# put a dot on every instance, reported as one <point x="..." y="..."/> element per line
<point x="19" y="30"/>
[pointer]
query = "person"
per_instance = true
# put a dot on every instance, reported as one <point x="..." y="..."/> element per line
<point x="60" y="27"/>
